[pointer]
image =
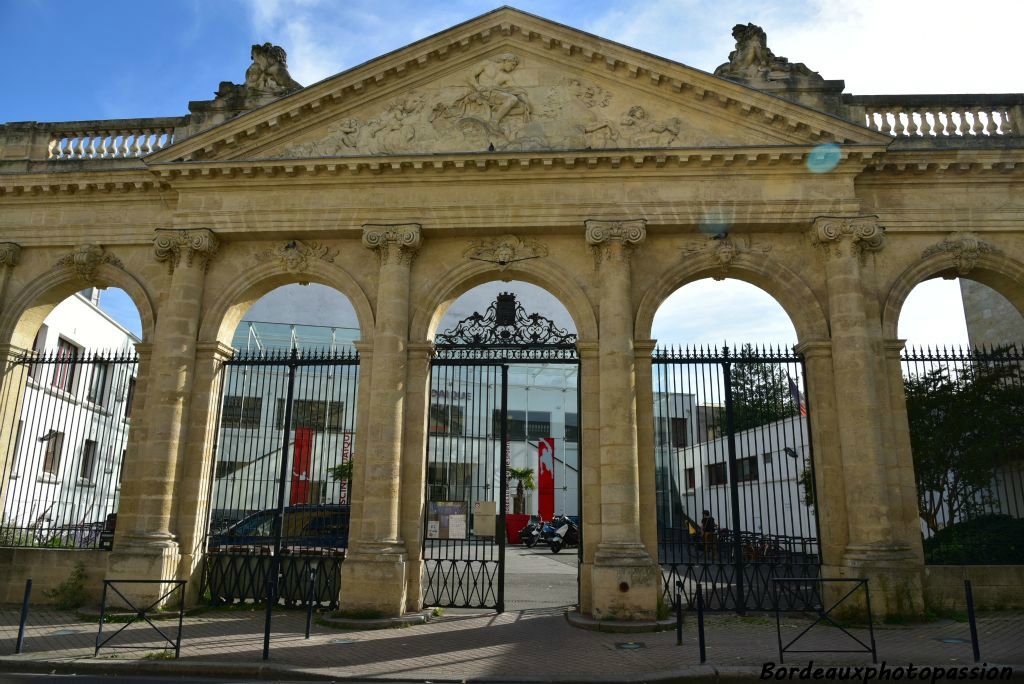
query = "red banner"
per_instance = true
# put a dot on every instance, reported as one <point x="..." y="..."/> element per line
<point x="302" y="456"/>
<point x="546" y="478"/>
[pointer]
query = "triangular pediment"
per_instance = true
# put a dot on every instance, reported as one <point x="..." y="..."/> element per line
<point x="507" y="82"/>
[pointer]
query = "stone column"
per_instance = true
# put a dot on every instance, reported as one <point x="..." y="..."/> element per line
<point x="146" y="545"/>
<point x="875" y="547"/>
<point x="643" y="349"/>
<point x="374" y="577"/>
<point x="625" y="577"/>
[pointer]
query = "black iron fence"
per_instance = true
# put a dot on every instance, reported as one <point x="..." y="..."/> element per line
<point x="965" y="408"/>
<point x="280" y="491"/>
<point x="64" y="422"/>
<point x="734" y="474"/>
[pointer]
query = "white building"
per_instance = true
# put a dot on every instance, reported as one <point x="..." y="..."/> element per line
<point x="73" y="426"/>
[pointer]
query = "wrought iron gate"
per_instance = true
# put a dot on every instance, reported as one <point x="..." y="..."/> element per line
<point x="279" y="501"/>
<point x="467" y="492"/>
<point x="734" y="476"/>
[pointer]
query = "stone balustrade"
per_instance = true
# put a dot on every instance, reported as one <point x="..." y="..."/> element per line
<point x="100" y="140"/>
<point x="921" y="116"/>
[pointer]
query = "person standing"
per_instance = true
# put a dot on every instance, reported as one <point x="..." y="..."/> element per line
<point x="709" y="531"/>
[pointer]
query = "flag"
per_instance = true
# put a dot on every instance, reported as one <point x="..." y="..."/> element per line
<point x="798" y="398"/>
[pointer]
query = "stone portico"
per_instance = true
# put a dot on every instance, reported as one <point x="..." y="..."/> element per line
<point x="607" y="165"/>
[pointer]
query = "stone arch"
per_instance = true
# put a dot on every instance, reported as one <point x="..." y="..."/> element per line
<point x="464" y="277"/>
<point x="30" y="306"/>
<point x="789" y="290"/>
<point x="1002" y="273"/>
<point x="221" y="318"/>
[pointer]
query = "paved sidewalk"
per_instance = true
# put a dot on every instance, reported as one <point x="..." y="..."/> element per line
<point x="528" y="645"/>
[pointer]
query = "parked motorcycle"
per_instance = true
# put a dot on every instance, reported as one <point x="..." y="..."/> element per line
<point x="531" y="534"/>
<point x="568" y="534"/>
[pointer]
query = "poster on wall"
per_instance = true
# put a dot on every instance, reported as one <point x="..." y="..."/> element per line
<point x="546" y="478"/>
<point x="447" y="519"/>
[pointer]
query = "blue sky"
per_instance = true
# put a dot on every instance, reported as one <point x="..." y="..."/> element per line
<point x="119" y="59"/>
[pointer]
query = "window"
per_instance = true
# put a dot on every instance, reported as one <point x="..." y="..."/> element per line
<point x="314" y="415"/>
<point x="51" y="459"/>
<point x="538" y="424"/>
<point x="572" y="427"/>
<point x="677" y="431"/>
<point x="691" y="479"/>
<point x="87" y="468"/>
<point x="242" y="412"/>
<point x="516" y="425"/>
<point x="717" y="474"/>
<point x="746" y="469"/>
<point x="38" y="370"/>
<point x="98" y="384"/>
<point x="129" y="399"/>
<point x="767" y="458"/>
<point x="64" y="367"/>
<point x="445" y="419"/>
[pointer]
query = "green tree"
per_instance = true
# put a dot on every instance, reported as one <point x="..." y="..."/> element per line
<point x="760" y="393"/>
<point x="524" y="480"/>
<point x="961" y="428"/>
<point x="342" y="471"/>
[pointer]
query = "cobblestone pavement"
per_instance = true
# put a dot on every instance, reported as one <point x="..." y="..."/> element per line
<point x="520" y="645"/>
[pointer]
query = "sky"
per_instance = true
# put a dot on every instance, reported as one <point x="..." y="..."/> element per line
<point x="132" y="58"/>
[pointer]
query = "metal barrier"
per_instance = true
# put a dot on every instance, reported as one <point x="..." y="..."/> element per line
<point x="824" y="615"/>
<point x="141" y="613"/>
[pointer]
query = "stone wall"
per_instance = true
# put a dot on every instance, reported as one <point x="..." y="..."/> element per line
<point x="48" y="568"/>
<point x="993" y="586"/>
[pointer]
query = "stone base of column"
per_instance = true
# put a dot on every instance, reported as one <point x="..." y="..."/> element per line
<point x="894" y="576"/>
<point x="146" y="560"/>
<point x="373" y="582"/>
<point x="586" y="606"/>
<point x="414" y="585"/>
<point x="625" y="583"/>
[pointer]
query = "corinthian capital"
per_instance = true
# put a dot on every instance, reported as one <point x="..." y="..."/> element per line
<point x="848" y="234"/>
<point x="10" y="252"/>
<point x="199" y="246"/>
<point x="396" y="243"/>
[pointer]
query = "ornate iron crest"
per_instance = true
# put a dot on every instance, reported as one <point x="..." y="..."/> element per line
<point x="505" y="325"/>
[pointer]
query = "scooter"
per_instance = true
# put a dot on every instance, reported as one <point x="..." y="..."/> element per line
<point x="566" y="535"/>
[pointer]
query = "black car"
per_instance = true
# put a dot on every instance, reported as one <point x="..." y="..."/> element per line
<point x="306" y="526"/>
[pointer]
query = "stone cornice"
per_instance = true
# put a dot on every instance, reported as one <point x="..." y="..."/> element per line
<point x="949" y="161"/>
<point x="319" y="102"/>
<point x="774" y="159"/>
<point x="45" y="185"/>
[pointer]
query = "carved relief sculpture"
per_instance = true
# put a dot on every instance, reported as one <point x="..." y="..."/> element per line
<point x="10" y="252"/>
<point x="965" y="248"/>
<point x="86" y="260"/>
<point x="501" y="104"/>
<point x="753" y="61"/>
<point x="295" y="255"/>
<point x="724" y="250"/>
<point x="505" y="250"/>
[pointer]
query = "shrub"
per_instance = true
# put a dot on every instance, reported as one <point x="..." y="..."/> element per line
<point x="70" y="594"/>
<point x="989" y="539"/>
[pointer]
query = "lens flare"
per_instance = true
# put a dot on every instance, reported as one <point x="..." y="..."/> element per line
<point x="823" y="158"/>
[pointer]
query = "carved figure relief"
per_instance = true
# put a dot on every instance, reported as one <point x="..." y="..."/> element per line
<point x="753" y="61"/>
<point x="295" y="255"/>
<point x="724" y="250"/>
<point x="505" y="250"/>
<point x="86" y="261"/>
<point x="501" y="104"/>
<point x="966" y="249"/>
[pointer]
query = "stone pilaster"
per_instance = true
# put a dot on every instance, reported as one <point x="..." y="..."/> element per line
<point x="625" y="577"/>
<point x="375" y="573"/>
<point x="147" y="546"/>
<point x="643" y="349"/>
<point x="12" y="377"/>
<point x="590" y="437"/>
<point x="414" y="473"/>
<point x="875" y="546"/>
